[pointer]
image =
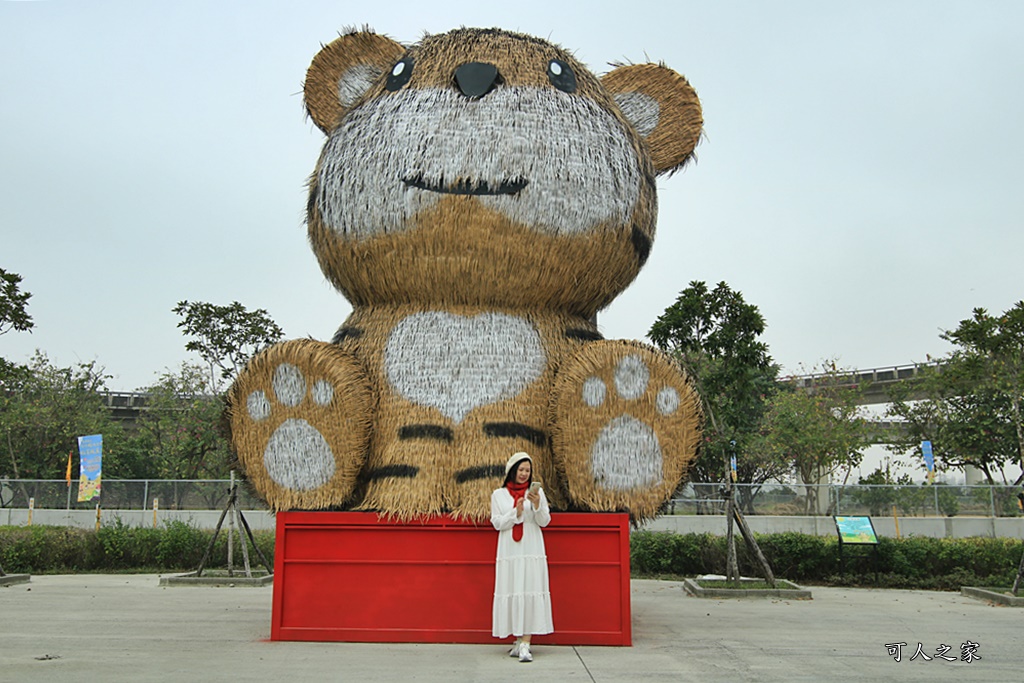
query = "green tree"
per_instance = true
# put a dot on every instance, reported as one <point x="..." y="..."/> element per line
<point x="875" y="492"/>
<point x="968" y="404"/>
<point x="993" y="349"/>
<point x="883" y="495"/>
<point x="12" y="377"/>
<point x="13" y="304"/>
<point x="818" y="429"/>
<point x="180" y="429"/>
<point x="880" y="493"/>
<point x="44" y="410"/>
<point x="715" y="336"/>
<point x="226" y="337"/>
<point x="965" y="423"/>
<point x="13" y="316"/>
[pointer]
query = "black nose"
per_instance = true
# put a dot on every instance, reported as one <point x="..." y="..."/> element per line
<point x="476" y="79"/>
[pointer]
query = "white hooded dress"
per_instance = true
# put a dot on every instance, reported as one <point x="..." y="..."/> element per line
<point x="522" y="599"/>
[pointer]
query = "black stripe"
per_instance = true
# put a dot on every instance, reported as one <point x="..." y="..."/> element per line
<point x="480" y="187"/>
<point x="641" y="245"/>
<point x="583" y="335"/>
<point x="480" y="472"/>
<point x="516" y="430"/>
<point x="344" y="333"/>
<point x="425" y="432"/>
<point x="397" y="471"/>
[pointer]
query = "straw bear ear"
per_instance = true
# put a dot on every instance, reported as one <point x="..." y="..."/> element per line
<point x="343" y="71"/>
<point x="662" y="107"/>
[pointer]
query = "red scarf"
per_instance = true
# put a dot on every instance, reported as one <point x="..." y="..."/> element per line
<point x="518" y="491"/>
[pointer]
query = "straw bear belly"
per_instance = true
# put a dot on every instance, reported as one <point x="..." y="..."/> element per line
<point x="457" y="363"/>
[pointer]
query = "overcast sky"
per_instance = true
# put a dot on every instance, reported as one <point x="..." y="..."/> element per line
<point x="860" y="180"/>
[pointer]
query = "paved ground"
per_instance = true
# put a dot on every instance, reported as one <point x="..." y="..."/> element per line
<point x="126" y="628"/>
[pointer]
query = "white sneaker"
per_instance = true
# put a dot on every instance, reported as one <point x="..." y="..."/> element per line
<point x="524" y="653"/>
<point x="514" y="652"/>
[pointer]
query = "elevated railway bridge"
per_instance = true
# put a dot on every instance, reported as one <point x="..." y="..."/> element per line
<point x="875" y="382"/>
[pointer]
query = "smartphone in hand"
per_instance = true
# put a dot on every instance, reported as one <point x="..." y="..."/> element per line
<point x="534" y="487"/>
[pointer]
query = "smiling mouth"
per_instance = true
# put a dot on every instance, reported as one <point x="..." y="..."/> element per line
<point x="469" y="187"/>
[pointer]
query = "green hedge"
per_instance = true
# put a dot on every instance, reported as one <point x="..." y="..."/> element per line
<point x="176" y="546"/>
<point x="913" y="562"/>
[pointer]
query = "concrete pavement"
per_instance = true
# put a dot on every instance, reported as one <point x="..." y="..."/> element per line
<point x="126" y="628"/>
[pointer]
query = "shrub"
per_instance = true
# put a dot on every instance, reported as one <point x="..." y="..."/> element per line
<point x="118" y="547"/>
<point x="126" y="547"/>
<point x="798" y="556"/>
<point x="664" y="552"/>
<point x="38" y="548"/>
<point x="913" y="562"/>
<point x="181" y="546"/>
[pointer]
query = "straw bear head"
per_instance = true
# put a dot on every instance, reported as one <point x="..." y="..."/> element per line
<point x="488" y="168"/>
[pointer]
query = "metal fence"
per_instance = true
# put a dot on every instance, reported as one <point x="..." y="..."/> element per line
<point x="126" y="494"/>
<point x="694" y="499"/>
<point x="940" y="500"/>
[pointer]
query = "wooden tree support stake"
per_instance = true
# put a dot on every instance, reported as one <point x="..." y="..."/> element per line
<point x="755" y="549"/>
<point x="237" y="519"/>
<point x="733" y="514"/>
<point x="732" y="569"/>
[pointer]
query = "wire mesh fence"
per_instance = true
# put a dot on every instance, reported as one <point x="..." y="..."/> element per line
<point x="126" y="494"/>
<point x="941" y="500"/>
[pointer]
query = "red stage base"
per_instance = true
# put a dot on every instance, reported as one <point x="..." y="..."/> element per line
<point x="352" y="576"/>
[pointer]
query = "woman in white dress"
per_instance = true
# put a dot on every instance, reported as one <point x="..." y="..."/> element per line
<point x="522" y="599"/>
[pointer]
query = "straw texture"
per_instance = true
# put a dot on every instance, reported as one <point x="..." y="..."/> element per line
<point x="625" y="426"/>
<point x="343" y="72"/>
<point x="459" y="391"/>
<point x="665" y="105"/>
<point x="477" y="219"/>
<point x="300" y="419"/>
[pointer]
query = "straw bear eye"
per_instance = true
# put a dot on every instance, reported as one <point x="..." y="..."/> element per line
<point x="561" y="76"/>
<point x="400" y="74"/>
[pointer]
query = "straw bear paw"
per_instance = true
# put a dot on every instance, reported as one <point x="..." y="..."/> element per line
<point x="626" y="426"/>
<point x="300" y="421"/>
<point x="297" y="455"/>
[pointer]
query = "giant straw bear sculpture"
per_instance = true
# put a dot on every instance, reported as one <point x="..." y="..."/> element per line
<point x="480" y="197"/>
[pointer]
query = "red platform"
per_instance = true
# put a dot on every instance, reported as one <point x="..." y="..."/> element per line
<point x="352" y="576"/>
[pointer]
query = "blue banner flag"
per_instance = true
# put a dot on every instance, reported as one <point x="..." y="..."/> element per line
<point x="926" y="451"/>
<point x="90" y="456"/>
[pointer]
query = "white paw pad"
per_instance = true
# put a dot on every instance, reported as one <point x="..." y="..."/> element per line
<point x="627" y="454"/>
<point x="297" y="456"/>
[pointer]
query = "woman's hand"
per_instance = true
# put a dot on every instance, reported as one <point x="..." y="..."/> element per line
<point x="534" y="497"/>
<point x="519" y="507"/>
